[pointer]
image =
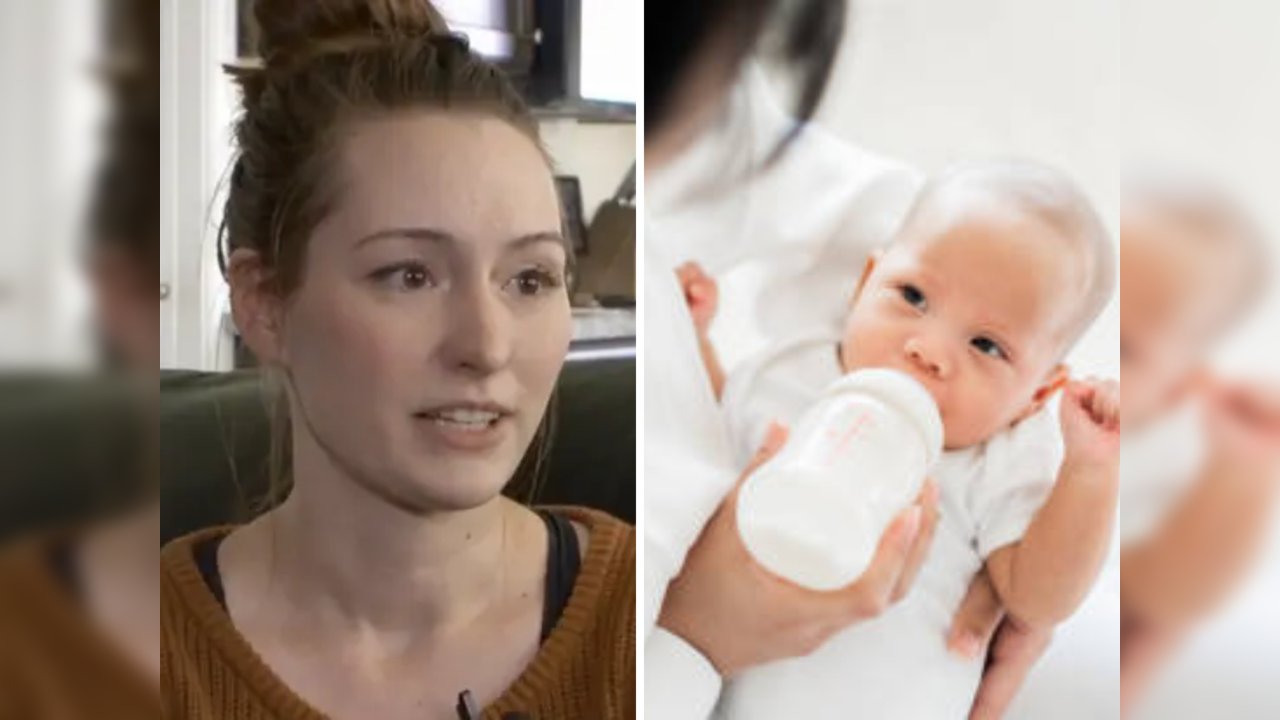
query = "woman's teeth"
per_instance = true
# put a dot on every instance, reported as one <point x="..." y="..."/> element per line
<point x="474" y="420"/>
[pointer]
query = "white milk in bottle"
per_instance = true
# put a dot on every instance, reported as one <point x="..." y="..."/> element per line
<point x="814" y="514"/>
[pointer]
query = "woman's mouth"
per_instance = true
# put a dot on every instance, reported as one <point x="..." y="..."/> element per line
<point x="465" y="427"/>
<point x="464" y="420"/>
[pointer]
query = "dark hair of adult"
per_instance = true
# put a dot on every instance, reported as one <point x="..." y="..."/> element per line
<point x="809" y="34"/>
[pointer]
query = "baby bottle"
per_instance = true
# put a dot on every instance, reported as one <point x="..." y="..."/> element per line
<point x="814" y="514"/>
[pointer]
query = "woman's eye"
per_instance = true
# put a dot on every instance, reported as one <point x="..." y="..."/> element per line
<point x="530" y="283"/>
<point x="913" y="296"/>
<point x="987" y="346"/>
<point x="406" y="277"/>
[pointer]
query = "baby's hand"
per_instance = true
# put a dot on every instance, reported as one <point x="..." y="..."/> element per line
<point x="701" y="294"/>
<point x="1091" y="421"/>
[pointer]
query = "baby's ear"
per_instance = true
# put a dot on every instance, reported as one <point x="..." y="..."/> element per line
<point x="1057" y="379"/>
<point x="868" y="268"/>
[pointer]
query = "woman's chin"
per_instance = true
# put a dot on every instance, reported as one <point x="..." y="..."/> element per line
<point x="450" y="485"/>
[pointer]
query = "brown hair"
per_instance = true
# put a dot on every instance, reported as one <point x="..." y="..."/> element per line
<point x="324" y="63"/>
<point x="808" y="32"/>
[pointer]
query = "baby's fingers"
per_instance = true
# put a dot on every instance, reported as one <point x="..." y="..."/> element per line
<point x="1105" y="404"/>
<point x="688" y="271"/>
<point x="976" y="621"/>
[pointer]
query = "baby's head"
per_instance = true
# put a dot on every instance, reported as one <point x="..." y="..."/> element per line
<point x="1194" y="263"/>
<point x="996" y="271"/>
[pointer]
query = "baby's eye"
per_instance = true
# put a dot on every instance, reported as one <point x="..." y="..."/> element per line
<point x="913" y="296"/>
<point x="987" y="346"/>
<point x="405" y="277"/>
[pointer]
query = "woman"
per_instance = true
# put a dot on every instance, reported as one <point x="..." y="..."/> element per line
<point x="722" y="614"/>
<point x="394" y="257"/>
<point x="79" y="615"/>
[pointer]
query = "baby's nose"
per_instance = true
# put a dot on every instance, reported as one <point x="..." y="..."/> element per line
<point x="927" y="358"/>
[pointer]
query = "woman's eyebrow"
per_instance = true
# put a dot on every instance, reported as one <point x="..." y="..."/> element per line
<point x="441" y="236"/>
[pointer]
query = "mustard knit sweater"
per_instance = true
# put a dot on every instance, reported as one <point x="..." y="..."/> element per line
<point x="584" y="671"/>
<point x="55" y="663"/>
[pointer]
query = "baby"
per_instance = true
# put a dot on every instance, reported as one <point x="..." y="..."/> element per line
<point x="996" y="271"/>
<point x="1199" y="458"/>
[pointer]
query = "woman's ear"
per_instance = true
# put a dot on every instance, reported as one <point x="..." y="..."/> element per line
<point x="1057" y="379"/>
<point x="867" y="268"/>
<point x="255" y="309"/>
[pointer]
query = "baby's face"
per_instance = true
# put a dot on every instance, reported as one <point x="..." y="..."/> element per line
<point x="974" y="306"/>
<point x="1167" y="300"/>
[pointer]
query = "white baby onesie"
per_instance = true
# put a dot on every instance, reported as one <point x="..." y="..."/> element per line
<point x="897" y="666"/>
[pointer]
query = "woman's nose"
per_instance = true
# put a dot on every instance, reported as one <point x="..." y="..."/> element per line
<point x="480" y="333"/>
<point x="928" y="357"/>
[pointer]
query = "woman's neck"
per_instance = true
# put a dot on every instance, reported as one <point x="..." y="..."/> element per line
<point x="357" y="560"/>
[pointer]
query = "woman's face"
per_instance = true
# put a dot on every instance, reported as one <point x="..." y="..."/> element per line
<point x="433" y="317"/>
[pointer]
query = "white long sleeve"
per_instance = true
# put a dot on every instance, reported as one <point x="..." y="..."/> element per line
<point x="679" y="683"/>
<point x="688" y="461"/>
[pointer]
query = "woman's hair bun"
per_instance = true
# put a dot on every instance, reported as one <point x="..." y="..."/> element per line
<point x="294" y="28"/>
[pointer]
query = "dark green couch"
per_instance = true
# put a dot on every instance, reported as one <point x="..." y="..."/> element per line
<point x="65" y="441"/>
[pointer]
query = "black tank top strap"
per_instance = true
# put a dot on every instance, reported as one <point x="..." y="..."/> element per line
<point x="206" y="558"/>
<point x="564" y="560"/>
